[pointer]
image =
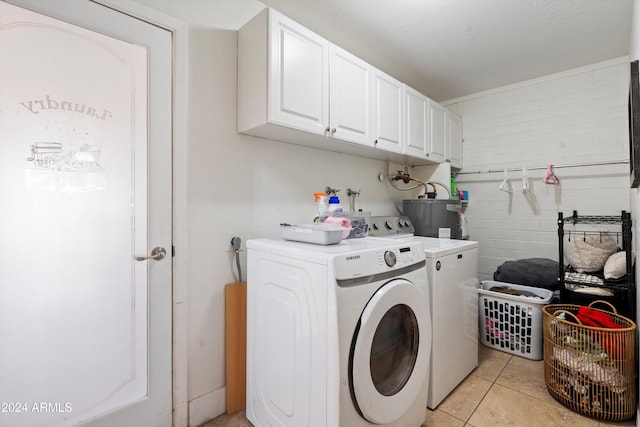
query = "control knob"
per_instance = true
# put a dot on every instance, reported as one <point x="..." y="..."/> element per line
<point x="390" y="258"/>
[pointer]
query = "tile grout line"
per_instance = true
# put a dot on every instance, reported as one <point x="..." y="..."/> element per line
<point x="479" y="403"/>
<point x="554" y="401"/>
<point x="493" y="383"/>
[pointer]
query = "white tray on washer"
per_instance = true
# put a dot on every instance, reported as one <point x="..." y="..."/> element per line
<point x="318" y="233"/>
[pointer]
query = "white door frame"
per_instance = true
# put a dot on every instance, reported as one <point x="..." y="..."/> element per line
<point x="179" y="179"/>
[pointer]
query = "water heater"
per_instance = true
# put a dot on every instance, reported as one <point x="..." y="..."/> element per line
<point x="430" y="215"/>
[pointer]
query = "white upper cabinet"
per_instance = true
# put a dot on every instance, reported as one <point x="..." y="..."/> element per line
<point x="388" y="112"/>
<point x="295" y="86"/>
<point x="416" y="123"/>
<point x="283" y="76"/>
<point x="291" y="77"/>
<point x="454" y="143"/>
<point x="350" y="101"/>
<point x="436" y="150"/>
<point x="298" y="77"/>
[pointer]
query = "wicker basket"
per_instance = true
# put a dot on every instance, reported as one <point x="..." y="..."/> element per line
<point x="588" y="369"/>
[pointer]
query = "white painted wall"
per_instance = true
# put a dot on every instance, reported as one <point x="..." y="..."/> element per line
<point x="576" y="117"/>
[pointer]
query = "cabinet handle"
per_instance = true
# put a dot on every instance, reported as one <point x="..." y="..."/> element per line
<point x="375" y="142"/>
<point x="333" y="131"/>
<point x="327" y="129"/>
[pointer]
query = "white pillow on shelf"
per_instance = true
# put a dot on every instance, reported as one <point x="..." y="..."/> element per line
<point x="616" y="265"/>
<point x="589" y="252"/>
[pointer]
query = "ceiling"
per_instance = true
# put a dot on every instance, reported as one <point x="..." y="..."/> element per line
<point x="446" y="49"/>
<point x="451" y="48"/>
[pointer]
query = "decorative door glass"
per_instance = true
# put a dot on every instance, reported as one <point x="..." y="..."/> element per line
<point x="73" y="132"/>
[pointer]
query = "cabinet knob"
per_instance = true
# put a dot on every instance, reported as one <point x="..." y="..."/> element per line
<point x="375" y="142"/>
<point x="327" y="129"/>
<point x="333" y="131"/>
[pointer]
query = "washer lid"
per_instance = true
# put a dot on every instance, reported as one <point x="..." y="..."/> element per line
<point x="389" y="364"/>
<point x="435" y="247"/>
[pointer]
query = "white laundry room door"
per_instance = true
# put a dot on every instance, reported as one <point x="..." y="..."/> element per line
<point x="85" y="190"/>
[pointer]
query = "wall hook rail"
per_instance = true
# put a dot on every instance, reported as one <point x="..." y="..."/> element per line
<point x="573" y="165"/>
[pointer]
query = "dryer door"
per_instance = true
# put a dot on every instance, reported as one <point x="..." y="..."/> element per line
<point x="390" y="352"/>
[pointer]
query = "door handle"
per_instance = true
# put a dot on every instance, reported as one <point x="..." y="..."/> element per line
<point x="157" y="254"/>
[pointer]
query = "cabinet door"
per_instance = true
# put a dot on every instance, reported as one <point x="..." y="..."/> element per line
<point x="416" y="123"/>
<point x="350" y="97"/>
<point x="387" y="112"/>
<point x="454" y="143"/>
<point x="438" y="132"/>
<point x="298" y="76"/>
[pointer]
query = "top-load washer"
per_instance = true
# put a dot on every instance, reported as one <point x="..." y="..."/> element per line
<point x="452" y="271"/>
<point x="337" y="335"/>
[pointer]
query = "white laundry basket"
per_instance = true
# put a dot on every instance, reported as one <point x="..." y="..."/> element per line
<point x="512" y="323"/>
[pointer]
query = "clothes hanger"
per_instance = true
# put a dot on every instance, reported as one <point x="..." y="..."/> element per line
<point x="551" y="178"/>
<point x="506" y="185"/>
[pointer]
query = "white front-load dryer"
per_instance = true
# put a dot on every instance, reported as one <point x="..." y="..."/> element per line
<point x="337" y="335"/>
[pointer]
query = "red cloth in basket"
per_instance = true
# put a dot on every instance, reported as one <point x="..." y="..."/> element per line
<point x="591" y="317"/>
<point x="598" y="319"/>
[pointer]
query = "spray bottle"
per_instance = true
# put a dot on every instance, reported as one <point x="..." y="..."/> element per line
<point x="323" y="207"/>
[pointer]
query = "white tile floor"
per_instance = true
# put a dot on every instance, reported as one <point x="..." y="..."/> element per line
<point x="504" y="391"/>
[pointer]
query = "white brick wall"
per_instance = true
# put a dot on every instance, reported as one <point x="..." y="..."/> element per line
<point x="570" y="118"/>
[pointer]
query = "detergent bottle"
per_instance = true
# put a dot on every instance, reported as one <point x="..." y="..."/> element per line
<point x="323" y="207"/>
<point x="335" y="208"/>
<point x="454" y="189"/>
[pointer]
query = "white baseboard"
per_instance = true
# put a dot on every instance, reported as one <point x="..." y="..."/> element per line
<point x="207" y="407"/>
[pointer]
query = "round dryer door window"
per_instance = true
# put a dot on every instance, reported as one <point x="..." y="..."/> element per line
<point x="388" y="366"/>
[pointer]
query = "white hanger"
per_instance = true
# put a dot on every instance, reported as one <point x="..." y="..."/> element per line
<point x="506" y="185"/>
<point x="525" y="180"/>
